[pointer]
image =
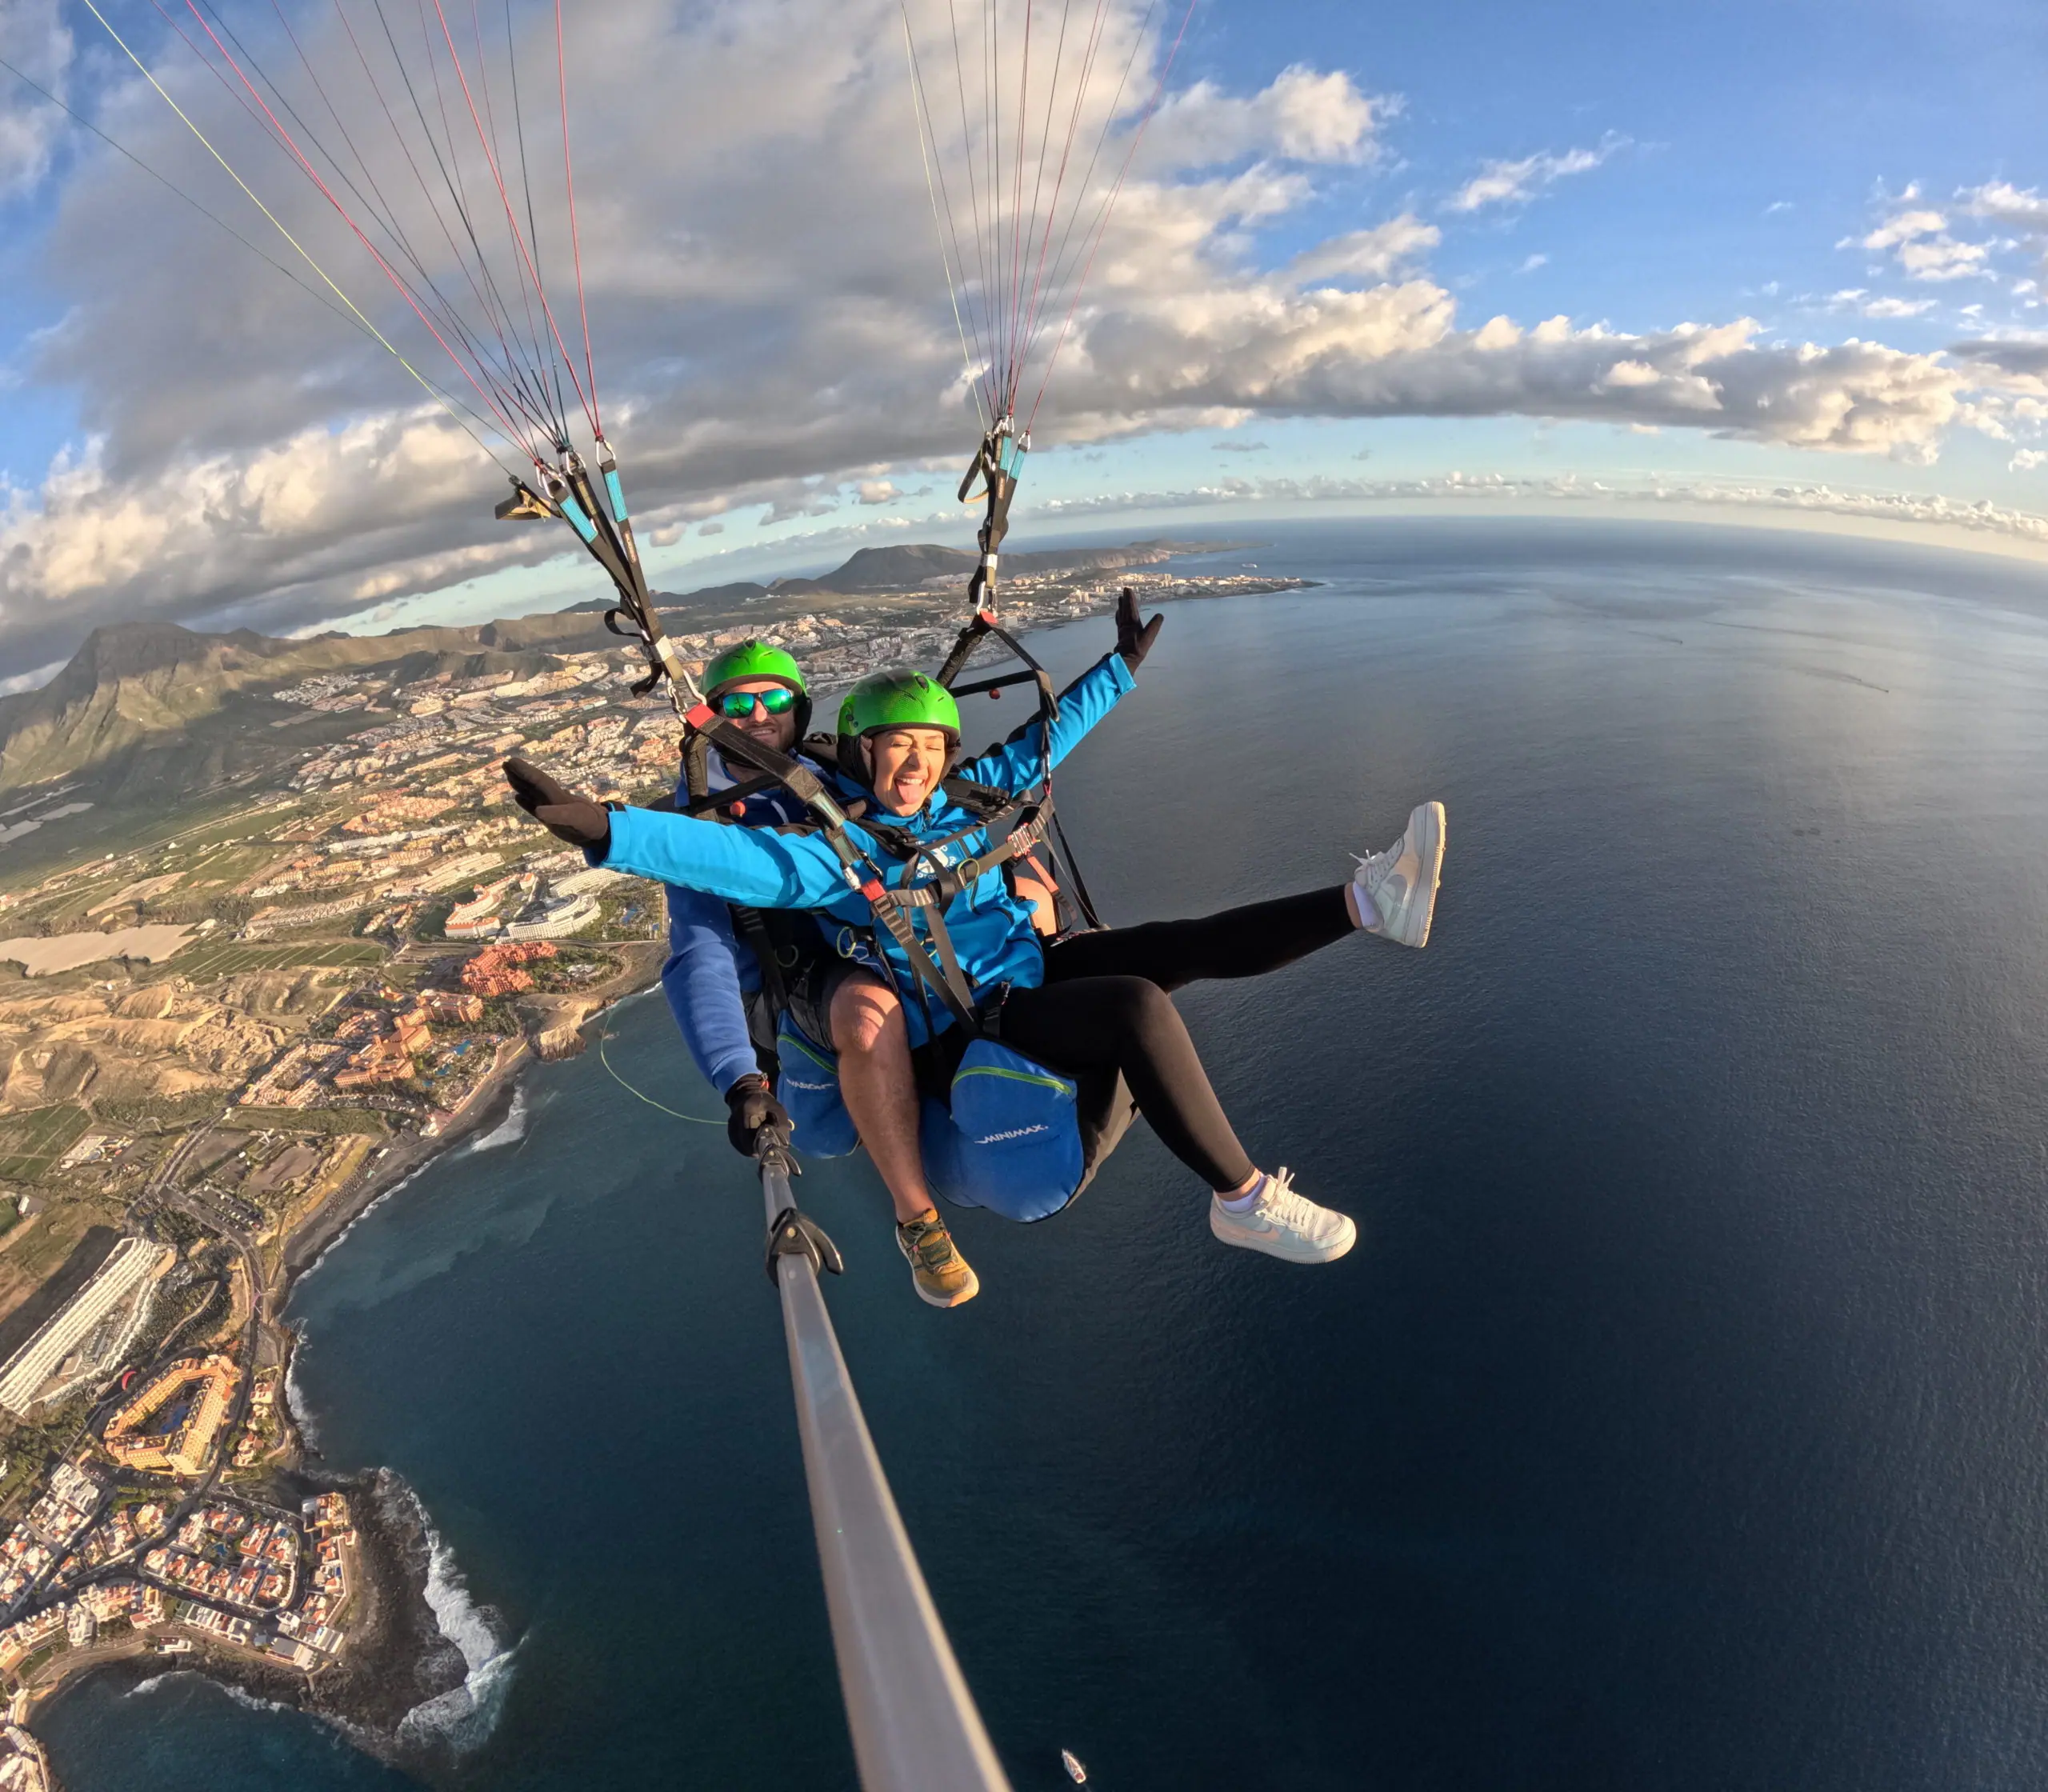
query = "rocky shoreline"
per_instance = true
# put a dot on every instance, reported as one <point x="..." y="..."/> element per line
<point x="398" y="1688"/>
<point x="399" y="1661"/>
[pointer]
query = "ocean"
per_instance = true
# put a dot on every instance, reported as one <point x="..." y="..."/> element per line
<point x="1677" y="1423"/>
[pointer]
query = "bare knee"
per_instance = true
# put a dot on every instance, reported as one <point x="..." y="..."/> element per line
<point x="865" y="1009"/>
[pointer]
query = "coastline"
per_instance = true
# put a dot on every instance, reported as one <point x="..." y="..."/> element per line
<point x="399" y="1661"/>
<point x="405" y="1687"/>
<point x="320" y="1231"/>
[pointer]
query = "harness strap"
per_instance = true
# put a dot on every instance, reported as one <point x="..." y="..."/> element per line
<point x="861" y="877"/>
<point x="712" y="800"/>
<point x="772" y="986"/>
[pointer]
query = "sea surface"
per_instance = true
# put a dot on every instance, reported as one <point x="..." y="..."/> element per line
<point x="1678" y="1422"/>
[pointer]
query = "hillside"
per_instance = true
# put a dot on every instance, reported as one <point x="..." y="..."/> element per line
<point x="150" y="711"/>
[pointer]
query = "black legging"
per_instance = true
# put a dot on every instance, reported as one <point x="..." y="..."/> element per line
<point x="1104" y="1006"/>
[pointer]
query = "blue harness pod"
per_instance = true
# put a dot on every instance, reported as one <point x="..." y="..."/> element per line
<point x="808" y="1088"/>
<point x="1011" y="1143"/>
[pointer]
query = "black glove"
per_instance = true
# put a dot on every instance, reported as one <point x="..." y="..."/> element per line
<point x="754" y="1106"/>
<point x="1135" y="638"/>
<point x="576" y="821"/>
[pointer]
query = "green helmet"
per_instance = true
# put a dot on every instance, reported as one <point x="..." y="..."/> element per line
<point x="898" y="698"/>
<point x="757" y="659"/>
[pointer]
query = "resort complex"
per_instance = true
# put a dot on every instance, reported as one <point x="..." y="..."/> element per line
<point x="121" y="1278"/>
<point x="194" y="1396"/>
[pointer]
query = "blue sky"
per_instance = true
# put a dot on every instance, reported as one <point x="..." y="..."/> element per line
<point x="768" y="317"/>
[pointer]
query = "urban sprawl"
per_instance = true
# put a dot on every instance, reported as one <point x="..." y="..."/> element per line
<point x="222" y="1038"/>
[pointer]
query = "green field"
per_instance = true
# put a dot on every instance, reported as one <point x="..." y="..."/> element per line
<point x="203" y="963"/>
<point x="30" y="1142"/>
<point x="330" y="1120"/>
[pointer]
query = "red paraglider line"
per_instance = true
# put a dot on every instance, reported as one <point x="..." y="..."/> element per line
<point x="312" y="174"/>
<point x="512" y="222"/>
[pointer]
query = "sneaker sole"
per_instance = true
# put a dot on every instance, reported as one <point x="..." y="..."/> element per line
<point x="960" y="1299"/>
<point x="1428" y="820"/>
<point x="1300" y="1253"/>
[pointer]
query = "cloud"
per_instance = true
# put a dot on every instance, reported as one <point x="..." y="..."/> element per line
<point x="1303" y="116"/>
<point x="1856" y="299"/>
<point x="1371" y="254"/>
<point x="876" y="491"/>
<point x="1532" y="263"/>
<point x="1924" y="509"/>
<point x="34" y="39"/>
<point x="1503" y="183"/>
<point x="2021" y="358"/>
<point x="2025" y="460"/>
<point x="2000" y="202"/>
<point x="1776" y="206"/>
<point x="1919" y="241"/>
<point x="1238" y="447"/>
<point x="771" y="332"/>
<point x="1394" y="350"/>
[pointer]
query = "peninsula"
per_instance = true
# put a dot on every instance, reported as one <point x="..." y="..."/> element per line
<point x="273" y="935"/>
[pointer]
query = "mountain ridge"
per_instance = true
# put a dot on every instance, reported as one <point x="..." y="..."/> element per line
<point x="150" y="706"/>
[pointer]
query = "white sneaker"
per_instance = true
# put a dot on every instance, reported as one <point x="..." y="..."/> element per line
<point x="1400" y="883"/>
<point x="1286" y="1224"/>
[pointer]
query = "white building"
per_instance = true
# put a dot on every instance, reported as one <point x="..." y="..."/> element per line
<point x="130" y="1263"/>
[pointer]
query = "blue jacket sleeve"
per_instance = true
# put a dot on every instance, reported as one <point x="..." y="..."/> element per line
<point x="1013" y="765"/>
<point x="761" y="870"/>
<point x="703" y="983"/>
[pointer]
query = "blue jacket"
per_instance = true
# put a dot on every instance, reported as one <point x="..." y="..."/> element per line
<point x="991" y="931"/>
<point x="711" y="971"/>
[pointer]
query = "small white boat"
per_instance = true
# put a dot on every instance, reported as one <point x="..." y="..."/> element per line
<point x="1074" y="1771"/>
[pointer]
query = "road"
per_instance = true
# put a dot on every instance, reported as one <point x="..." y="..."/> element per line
<point x="162" y="1186"/>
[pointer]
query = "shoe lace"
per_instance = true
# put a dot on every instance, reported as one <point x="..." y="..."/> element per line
<point x="1280" y="1202"/>
<point x="931" y="1245"/>
<point x="1373" y="869"/>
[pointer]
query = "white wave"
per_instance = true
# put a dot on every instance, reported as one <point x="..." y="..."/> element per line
<point x="465" y="1715"/>
<point x="302" y="1414"/>
<point x="328" y="1249"/>
<point x="248" y="1701"/>
<point x="508" y="1131"/>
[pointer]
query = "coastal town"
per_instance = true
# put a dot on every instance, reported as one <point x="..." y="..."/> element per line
<point x="221" y="1040"/>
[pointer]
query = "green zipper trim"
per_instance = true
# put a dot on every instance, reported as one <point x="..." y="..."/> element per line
<point x="829" y="1065"/>
<point x="1015" y="1076"/>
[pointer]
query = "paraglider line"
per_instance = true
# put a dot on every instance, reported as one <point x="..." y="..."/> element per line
<point x="122" y="43"/>
<point x="575" y="235"/>
<point x="511" y="222"/>
<point x="695" y="1119"/>
<point x="920" y="114"/>
<point x="327" y="192"/>
<point x="1137" y="136"/>
<point x="381" y="211"/>
<point x="440" y="163"/>
<point x="550" y="412"/>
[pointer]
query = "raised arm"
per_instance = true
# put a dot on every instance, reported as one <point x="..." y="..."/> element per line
<point x="1015" y="763"/>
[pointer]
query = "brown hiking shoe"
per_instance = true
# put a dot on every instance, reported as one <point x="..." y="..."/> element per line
<point x="939" y="1270"/>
